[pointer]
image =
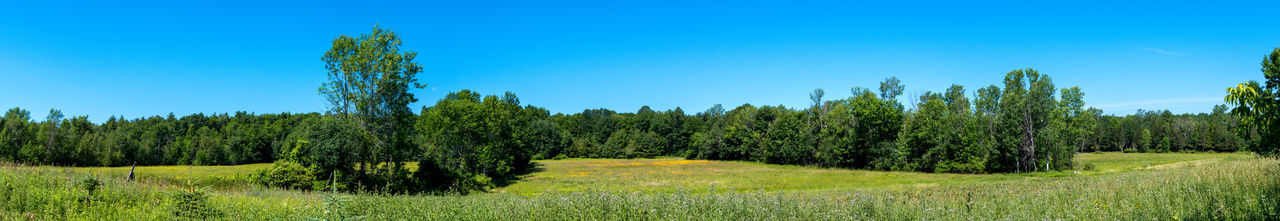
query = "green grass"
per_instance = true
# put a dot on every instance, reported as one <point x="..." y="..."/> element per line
<point x="1138" y="187"/>
<point x="678" y="175"/>
<point x="1119" y="162"/>
<point x="675" y="174"/>
<point x="218" y="177"/>
<point x="698" y="176"/>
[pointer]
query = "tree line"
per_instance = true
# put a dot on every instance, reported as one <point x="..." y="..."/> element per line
<point x="369" y="138"/>
<point x="1162" y="131"/>
<point x="196" y="139"/>
<point x="943" y="132"/>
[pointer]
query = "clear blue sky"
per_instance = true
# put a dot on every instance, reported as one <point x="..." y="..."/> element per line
<point x="150" y="58"/>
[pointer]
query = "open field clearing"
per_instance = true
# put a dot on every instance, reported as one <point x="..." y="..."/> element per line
<point x="1231" y="186"/>
<point x="680" y="175"/>
<point x="218" y="177"/>
<point x="666" y="175"/>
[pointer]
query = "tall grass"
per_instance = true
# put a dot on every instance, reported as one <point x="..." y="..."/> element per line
<point x="1233" y="189"/>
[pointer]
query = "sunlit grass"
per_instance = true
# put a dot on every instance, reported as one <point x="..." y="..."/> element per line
<point x="1117" y="162"/>
<point x="666" y="175"/>
<point x="676" y="174"/>
<point x="1233" y="188"/>
<point x="219" y="177"/>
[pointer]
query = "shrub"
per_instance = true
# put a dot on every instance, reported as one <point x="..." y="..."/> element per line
<point x="285" y="174"/>
<point x="90" y="184"/>
<point x="192" y="203"/>
<point x="327" y="145"/>
<point x="1086" y="166"/>
<point x="335" y="206"/>
<point x="321" y="148"/>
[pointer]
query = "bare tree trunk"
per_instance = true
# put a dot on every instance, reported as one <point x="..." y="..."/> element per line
<point x="130" y="176"/>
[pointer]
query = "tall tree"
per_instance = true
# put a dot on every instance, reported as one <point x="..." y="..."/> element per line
<point x="369" y="80"/>
<point x="1079" y="122"/>
<point x="1026" y="103"/>
<point x="14" y="133"/>
<point x="891" y="88"/>
<point x="54" y="118"/>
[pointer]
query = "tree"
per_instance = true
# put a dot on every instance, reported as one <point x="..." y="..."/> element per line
<point x="891" y="88"/>
<point x="368" y="83"/>
<point x="328" y="145"/>
<point x="547" y="138"/>
<point x="15" y="133"/>
<point x="1259" y="105"/>
<point x="858" y="128"/>
<point x="921" y="135"/>
<point x="1026" y="105"/>
<point x="54" y="118"/>
<point x="786" y="140"/>
<point x="478" y="139"/>
<point x="1079" y="121"/>
<point x="711" y="136"/>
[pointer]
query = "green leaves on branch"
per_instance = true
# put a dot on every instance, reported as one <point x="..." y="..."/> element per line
<point x="1259" y="106"/>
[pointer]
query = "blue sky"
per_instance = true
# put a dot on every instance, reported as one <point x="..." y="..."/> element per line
<point x="138" y="59"/>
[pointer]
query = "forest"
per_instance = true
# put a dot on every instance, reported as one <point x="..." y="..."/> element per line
<point x="370" y="139"/>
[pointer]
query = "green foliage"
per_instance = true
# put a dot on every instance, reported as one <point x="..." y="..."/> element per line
<point x="1259" y="107"/>
<point x="933" y="139"/>
<point x="631" y="143"/>
<point x="368" y="86"/>
<point x="287" y="174"/>
<point x="199" y="139"/>
<point x="850" y="129"/>
<point x="787" y="141"/>
<point x="90" y="184"/>
<point x="329" y="145"/>
<point x="335" y="205"/>
<point x="193" y="203"/>
<point x="1087" y="167"/>
<point x="322" y="149"/>
<point x="547" y="138"/>
<point x="483" y="139"/>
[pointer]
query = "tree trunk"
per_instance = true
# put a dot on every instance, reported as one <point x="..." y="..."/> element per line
<point x="129" y="177"/>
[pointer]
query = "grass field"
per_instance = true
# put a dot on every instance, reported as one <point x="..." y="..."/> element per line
<point x="218" y="177"/>
<point x="1125" y="186"/>
<point x="679" y="175"/>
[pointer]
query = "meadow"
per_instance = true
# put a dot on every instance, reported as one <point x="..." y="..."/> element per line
<point x="1125" y="186"/>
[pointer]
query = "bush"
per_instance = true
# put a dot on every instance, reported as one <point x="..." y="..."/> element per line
<point x="192" y="203"/>
<point x="1086" y="166"/>
<point x="321" y="148"/>
<point x="327" y="145"/>
<point x="287" y="174"/>
<point x="90" y="184"/>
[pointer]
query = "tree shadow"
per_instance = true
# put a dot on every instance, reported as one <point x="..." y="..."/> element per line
<point x="533" y="167"/>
